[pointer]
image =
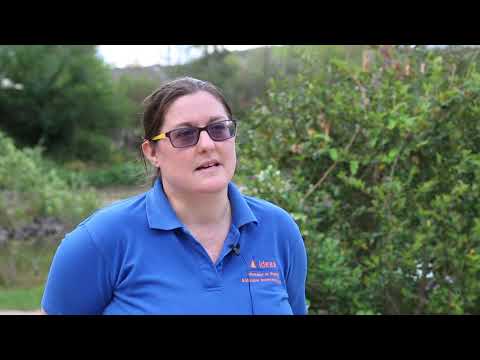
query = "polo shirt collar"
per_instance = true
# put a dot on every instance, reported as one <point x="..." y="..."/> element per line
<point x="160" y="214"/>
<point x="241" y="212"/>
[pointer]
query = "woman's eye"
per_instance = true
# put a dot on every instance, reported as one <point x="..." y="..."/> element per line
<point x="218" y="129"/>
<point x="184" y="133"/>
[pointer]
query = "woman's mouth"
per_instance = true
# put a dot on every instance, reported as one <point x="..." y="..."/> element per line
<point x="208" y="166"/>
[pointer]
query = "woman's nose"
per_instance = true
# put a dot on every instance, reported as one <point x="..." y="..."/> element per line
<point x="205" y="141"/>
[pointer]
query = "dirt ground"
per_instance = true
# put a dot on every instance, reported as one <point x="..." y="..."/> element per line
<point x="19" y="312"/>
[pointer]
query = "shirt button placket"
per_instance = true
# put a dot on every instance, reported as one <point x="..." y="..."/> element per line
<point x="208" y="270"/>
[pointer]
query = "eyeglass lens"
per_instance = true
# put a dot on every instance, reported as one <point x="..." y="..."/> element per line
<point x="189" y="136"/>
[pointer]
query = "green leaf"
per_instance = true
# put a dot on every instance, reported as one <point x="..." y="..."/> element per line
<point x="353" y="167"/>
<point x="392" y="123"/>
<point x="409" y="120"/>
<point x="392" y="155"/>
<point x="333" y="154"/>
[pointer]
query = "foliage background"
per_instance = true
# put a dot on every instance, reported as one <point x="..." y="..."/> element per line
<point x="380" y="166"/>
<point x="372" y="149"/>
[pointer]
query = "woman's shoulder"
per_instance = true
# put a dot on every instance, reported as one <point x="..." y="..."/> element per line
<point x="118" y="209"/>
<point x="116" y="216"/>
<point x="105" y="230"/>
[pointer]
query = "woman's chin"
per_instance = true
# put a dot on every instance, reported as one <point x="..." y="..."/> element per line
<point x="211" y="188"/>
<point x="211" y="185"/>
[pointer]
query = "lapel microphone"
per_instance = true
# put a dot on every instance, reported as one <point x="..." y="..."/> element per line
<point x="236" y="249"/>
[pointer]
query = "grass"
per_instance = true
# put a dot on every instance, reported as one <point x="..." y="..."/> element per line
<point x="24" y="265"/>
<point x="20" y="298"/>
<point x="24" y="268"/>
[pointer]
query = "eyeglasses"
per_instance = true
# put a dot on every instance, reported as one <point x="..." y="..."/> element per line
<point x="188" y="136"/>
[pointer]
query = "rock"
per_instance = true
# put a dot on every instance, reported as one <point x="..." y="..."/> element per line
<point x="41" y="228"/>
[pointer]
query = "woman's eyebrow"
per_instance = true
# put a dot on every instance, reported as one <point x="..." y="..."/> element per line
<point x="210" y="120"/>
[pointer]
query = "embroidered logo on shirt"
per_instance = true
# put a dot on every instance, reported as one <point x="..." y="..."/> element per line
<point x="267" y="265"/>
<point x="263" y="274"/>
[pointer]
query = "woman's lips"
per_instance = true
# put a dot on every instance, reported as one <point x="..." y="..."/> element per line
<point x="208" y="164"/>
<point x="208" y="169"/>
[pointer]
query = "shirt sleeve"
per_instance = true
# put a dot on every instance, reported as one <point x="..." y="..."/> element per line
<point x="297" y="273"/>
<point x="78" y="282"/>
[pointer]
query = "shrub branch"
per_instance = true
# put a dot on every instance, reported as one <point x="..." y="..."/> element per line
<point x="331" y="168"/>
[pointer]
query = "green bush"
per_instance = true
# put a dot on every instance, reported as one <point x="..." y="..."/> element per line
<point x="30" y="187"/>
<point x="380" y="167"/>
<point x="128" y="173"/>
<point x="67" y="101"/>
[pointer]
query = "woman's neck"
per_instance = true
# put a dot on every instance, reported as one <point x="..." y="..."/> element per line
<point x="199" y="210"/>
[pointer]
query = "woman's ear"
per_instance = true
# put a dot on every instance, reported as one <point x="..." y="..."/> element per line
<point x="150" y="151"/>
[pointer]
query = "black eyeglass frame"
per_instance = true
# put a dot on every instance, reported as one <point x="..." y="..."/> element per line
<point x="162" y="136"/>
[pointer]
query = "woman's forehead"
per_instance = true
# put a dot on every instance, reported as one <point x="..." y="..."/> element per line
<point x="196" y="109"/>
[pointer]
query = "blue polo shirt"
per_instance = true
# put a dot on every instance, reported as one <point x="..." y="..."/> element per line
<point x="136" y="257"/>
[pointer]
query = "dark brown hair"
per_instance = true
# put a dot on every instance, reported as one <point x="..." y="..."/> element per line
<point x="158" y="103"/>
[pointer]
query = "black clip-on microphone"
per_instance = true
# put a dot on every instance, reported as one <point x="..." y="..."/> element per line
<point x="236" y="249"/>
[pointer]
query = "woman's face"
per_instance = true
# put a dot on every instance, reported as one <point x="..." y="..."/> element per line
<point x="180" y="167"/>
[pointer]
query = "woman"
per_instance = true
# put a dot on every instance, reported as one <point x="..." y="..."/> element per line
<point x="193" y="244"/>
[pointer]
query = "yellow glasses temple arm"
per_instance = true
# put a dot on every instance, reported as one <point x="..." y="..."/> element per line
<point x="159" y="137"/>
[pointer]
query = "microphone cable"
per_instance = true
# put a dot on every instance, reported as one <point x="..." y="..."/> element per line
<point x="236" y="250"/>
